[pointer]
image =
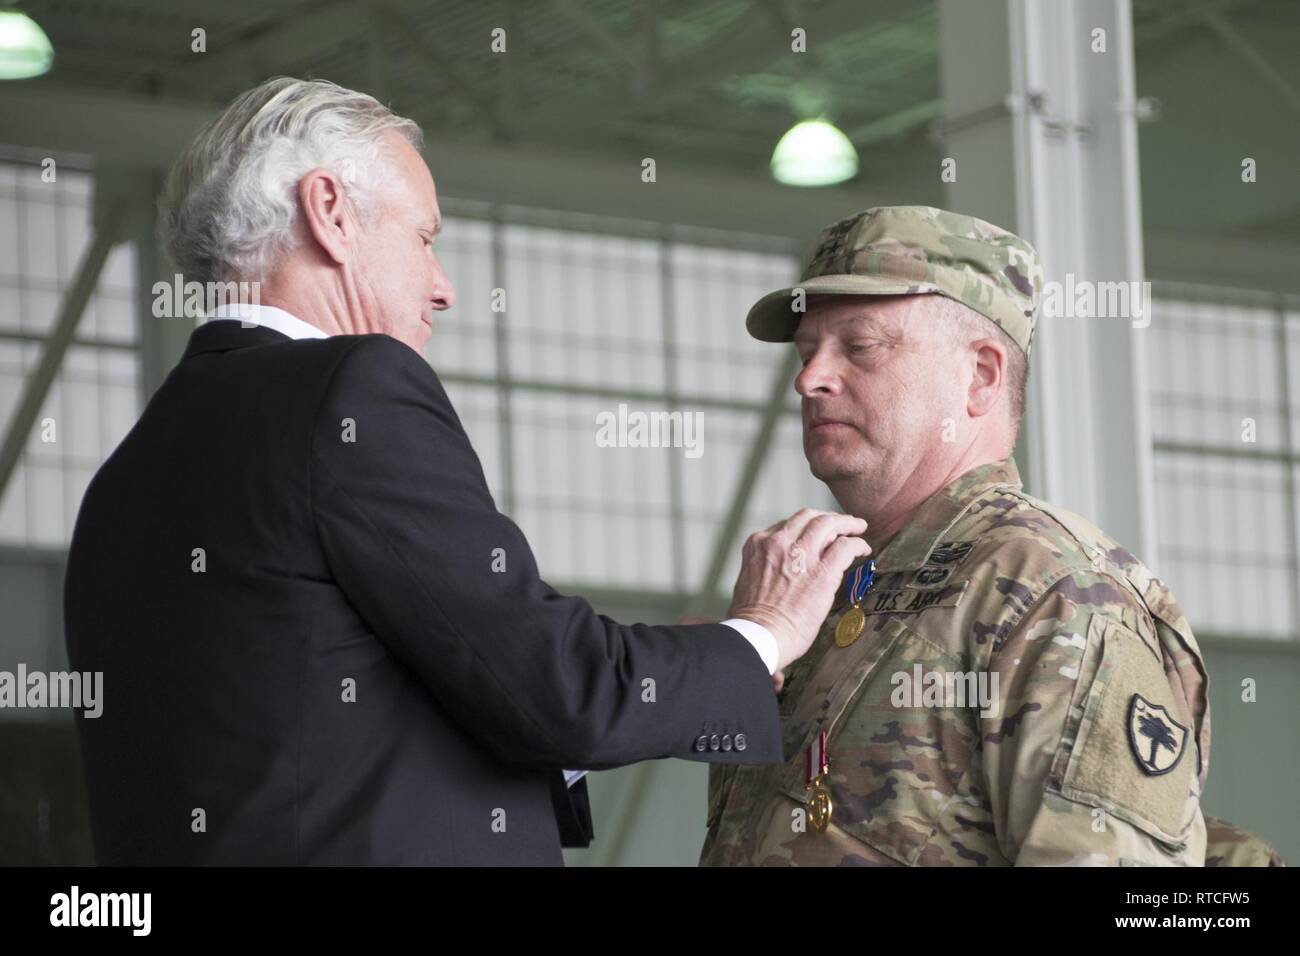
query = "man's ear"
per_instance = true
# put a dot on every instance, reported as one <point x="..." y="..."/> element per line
<point x="327" y="214"/>
<point x="989" y="376"/>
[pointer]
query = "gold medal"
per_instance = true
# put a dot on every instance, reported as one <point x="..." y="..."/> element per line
<point x="849" y="629"/>
<point x="819" y="794"/>
<point x="819" y="806"/>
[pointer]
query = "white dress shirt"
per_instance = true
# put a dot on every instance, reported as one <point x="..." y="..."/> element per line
<point x="759" y="637"/>
<point x="268" y="316"/>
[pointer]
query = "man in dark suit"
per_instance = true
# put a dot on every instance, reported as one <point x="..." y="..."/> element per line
<point x="321" y="642"/>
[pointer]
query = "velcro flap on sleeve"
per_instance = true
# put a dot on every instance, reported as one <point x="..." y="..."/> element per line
<point x="1134" y="754"/>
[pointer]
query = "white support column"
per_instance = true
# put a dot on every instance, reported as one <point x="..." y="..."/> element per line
<point x="1044" y="134"/>
<point x="161" y="340"/>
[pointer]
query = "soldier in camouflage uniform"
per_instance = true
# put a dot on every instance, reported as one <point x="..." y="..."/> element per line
<point x="1230" y="845"/>
<point x="1092" y="742"/>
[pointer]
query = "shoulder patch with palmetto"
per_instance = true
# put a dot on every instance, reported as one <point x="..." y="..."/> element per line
<point x="1157" y="740"/>
<point x="1132" y="754"/>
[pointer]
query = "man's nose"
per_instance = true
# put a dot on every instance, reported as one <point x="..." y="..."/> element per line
<point x="444" y="297"/>
<point x="444" y="293"/>
<point x="816" y="378"/>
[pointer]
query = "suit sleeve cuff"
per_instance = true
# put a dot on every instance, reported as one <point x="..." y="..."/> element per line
<point x="759" y="637"/>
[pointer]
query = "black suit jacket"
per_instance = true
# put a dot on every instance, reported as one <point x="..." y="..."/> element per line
<point x="340" y="675"/>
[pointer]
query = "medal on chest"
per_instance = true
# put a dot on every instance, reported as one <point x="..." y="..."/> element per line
<point x="852" y="623"/>
<point x="819" y="791"/>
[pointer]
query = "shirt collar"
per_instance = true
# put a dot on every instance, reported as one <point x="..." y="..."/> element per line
<point x="267" y="316"/>
<point x="911" y="547"/>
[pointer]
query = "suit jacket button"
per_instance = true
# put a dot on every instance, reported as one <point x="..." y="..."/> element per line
<point x="701" y="743"/>
<point x="726" y="741"/>
<point x="715" y="742"/>
<point x="741" y="742"/>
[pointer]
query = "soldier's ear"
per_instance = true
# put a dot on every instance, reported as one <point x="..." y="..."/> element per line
<point x="988" y="376"/>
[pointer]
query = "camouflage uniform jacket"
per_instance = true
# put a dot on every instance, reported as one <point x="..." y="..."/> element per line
<point x="1227" y="844"/>
<point x="1095" y="748"/>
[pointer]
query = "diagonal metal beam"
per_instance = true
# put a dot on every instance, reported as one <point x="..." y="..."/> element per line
<point x="1250" y="55"/>
<point x="896" y="124"/>
<point x="745" y="482"/>
<point x="640" y="781"/>
<point x="749" y="48"/>
<point x="1181" y="18"/>
<point x="432" y="56"/>
<point x="271" y="48"/>
<point x="238" y="60"/>
<point x="600" y="35"/>
<point x="37" y="386"/>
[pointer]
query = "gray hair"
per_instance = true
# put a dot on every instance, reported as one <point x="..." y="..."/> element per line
<point x="967" y="326"/>
<point x="230" y="203"/>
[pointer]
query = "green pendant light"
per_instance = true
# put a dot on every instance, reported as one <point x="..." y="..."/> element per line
<point x="25" y="50"/>
<point x="814" y="153"/>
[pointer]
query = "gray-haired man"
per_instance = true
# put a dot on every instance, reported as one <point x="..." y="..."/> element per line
<point x="321" y="642"/>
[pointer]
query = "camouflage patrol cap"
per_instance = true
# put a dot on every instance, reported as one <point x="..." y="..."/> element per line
<point x="894" y="250"/>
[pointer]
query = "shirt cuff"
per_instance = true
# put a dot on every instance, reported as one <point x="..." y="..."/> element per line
<point x="573" y="776"/>
<point x="759" y="637"/>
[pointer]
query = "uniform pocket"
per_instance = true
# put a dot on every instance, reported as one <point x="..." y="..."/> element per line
<point x="897" y="766"/>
